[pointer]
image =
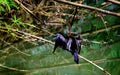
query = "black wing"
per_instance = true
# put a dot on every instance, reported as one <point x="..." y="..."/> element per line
<point x="60" y="41"/>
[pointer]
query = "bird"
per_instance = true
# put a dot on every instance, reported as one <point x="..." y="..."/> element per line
<point x="69" y="43"/>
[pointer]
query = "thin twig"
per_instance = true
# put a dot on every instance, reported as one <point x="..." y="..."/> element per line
<point x="10" y="68"/>
<point x="28" y="34"/>
<point x="107" y="73"/>
<point x="104" y="22"/>
<point x="96" y="42"/>
<point x="100" y="30"/>
<point x="15" y="48"/>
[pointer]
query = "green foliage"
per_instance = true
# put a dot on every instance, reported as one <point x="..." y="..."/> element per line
<point x="17" y="21"/>
<point x="9" y="4"/>
<point x="2" y="9"/>
<point x="9" y="29"/>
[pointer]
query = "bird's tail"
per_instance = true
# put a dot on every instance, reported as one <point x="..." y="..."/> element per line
<point x="76" y="58"/>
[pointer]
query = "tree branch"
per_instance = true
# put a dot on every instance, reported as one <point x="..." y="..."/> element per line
<point x="114" y="1"/>
<point x="88" y="7"/>
<point x="100" y="30"/>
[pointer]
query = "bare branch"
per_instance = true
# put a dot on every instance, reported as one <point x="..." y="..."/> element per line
<point x="114" y="1"/>
<point x="88" y="7"/>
